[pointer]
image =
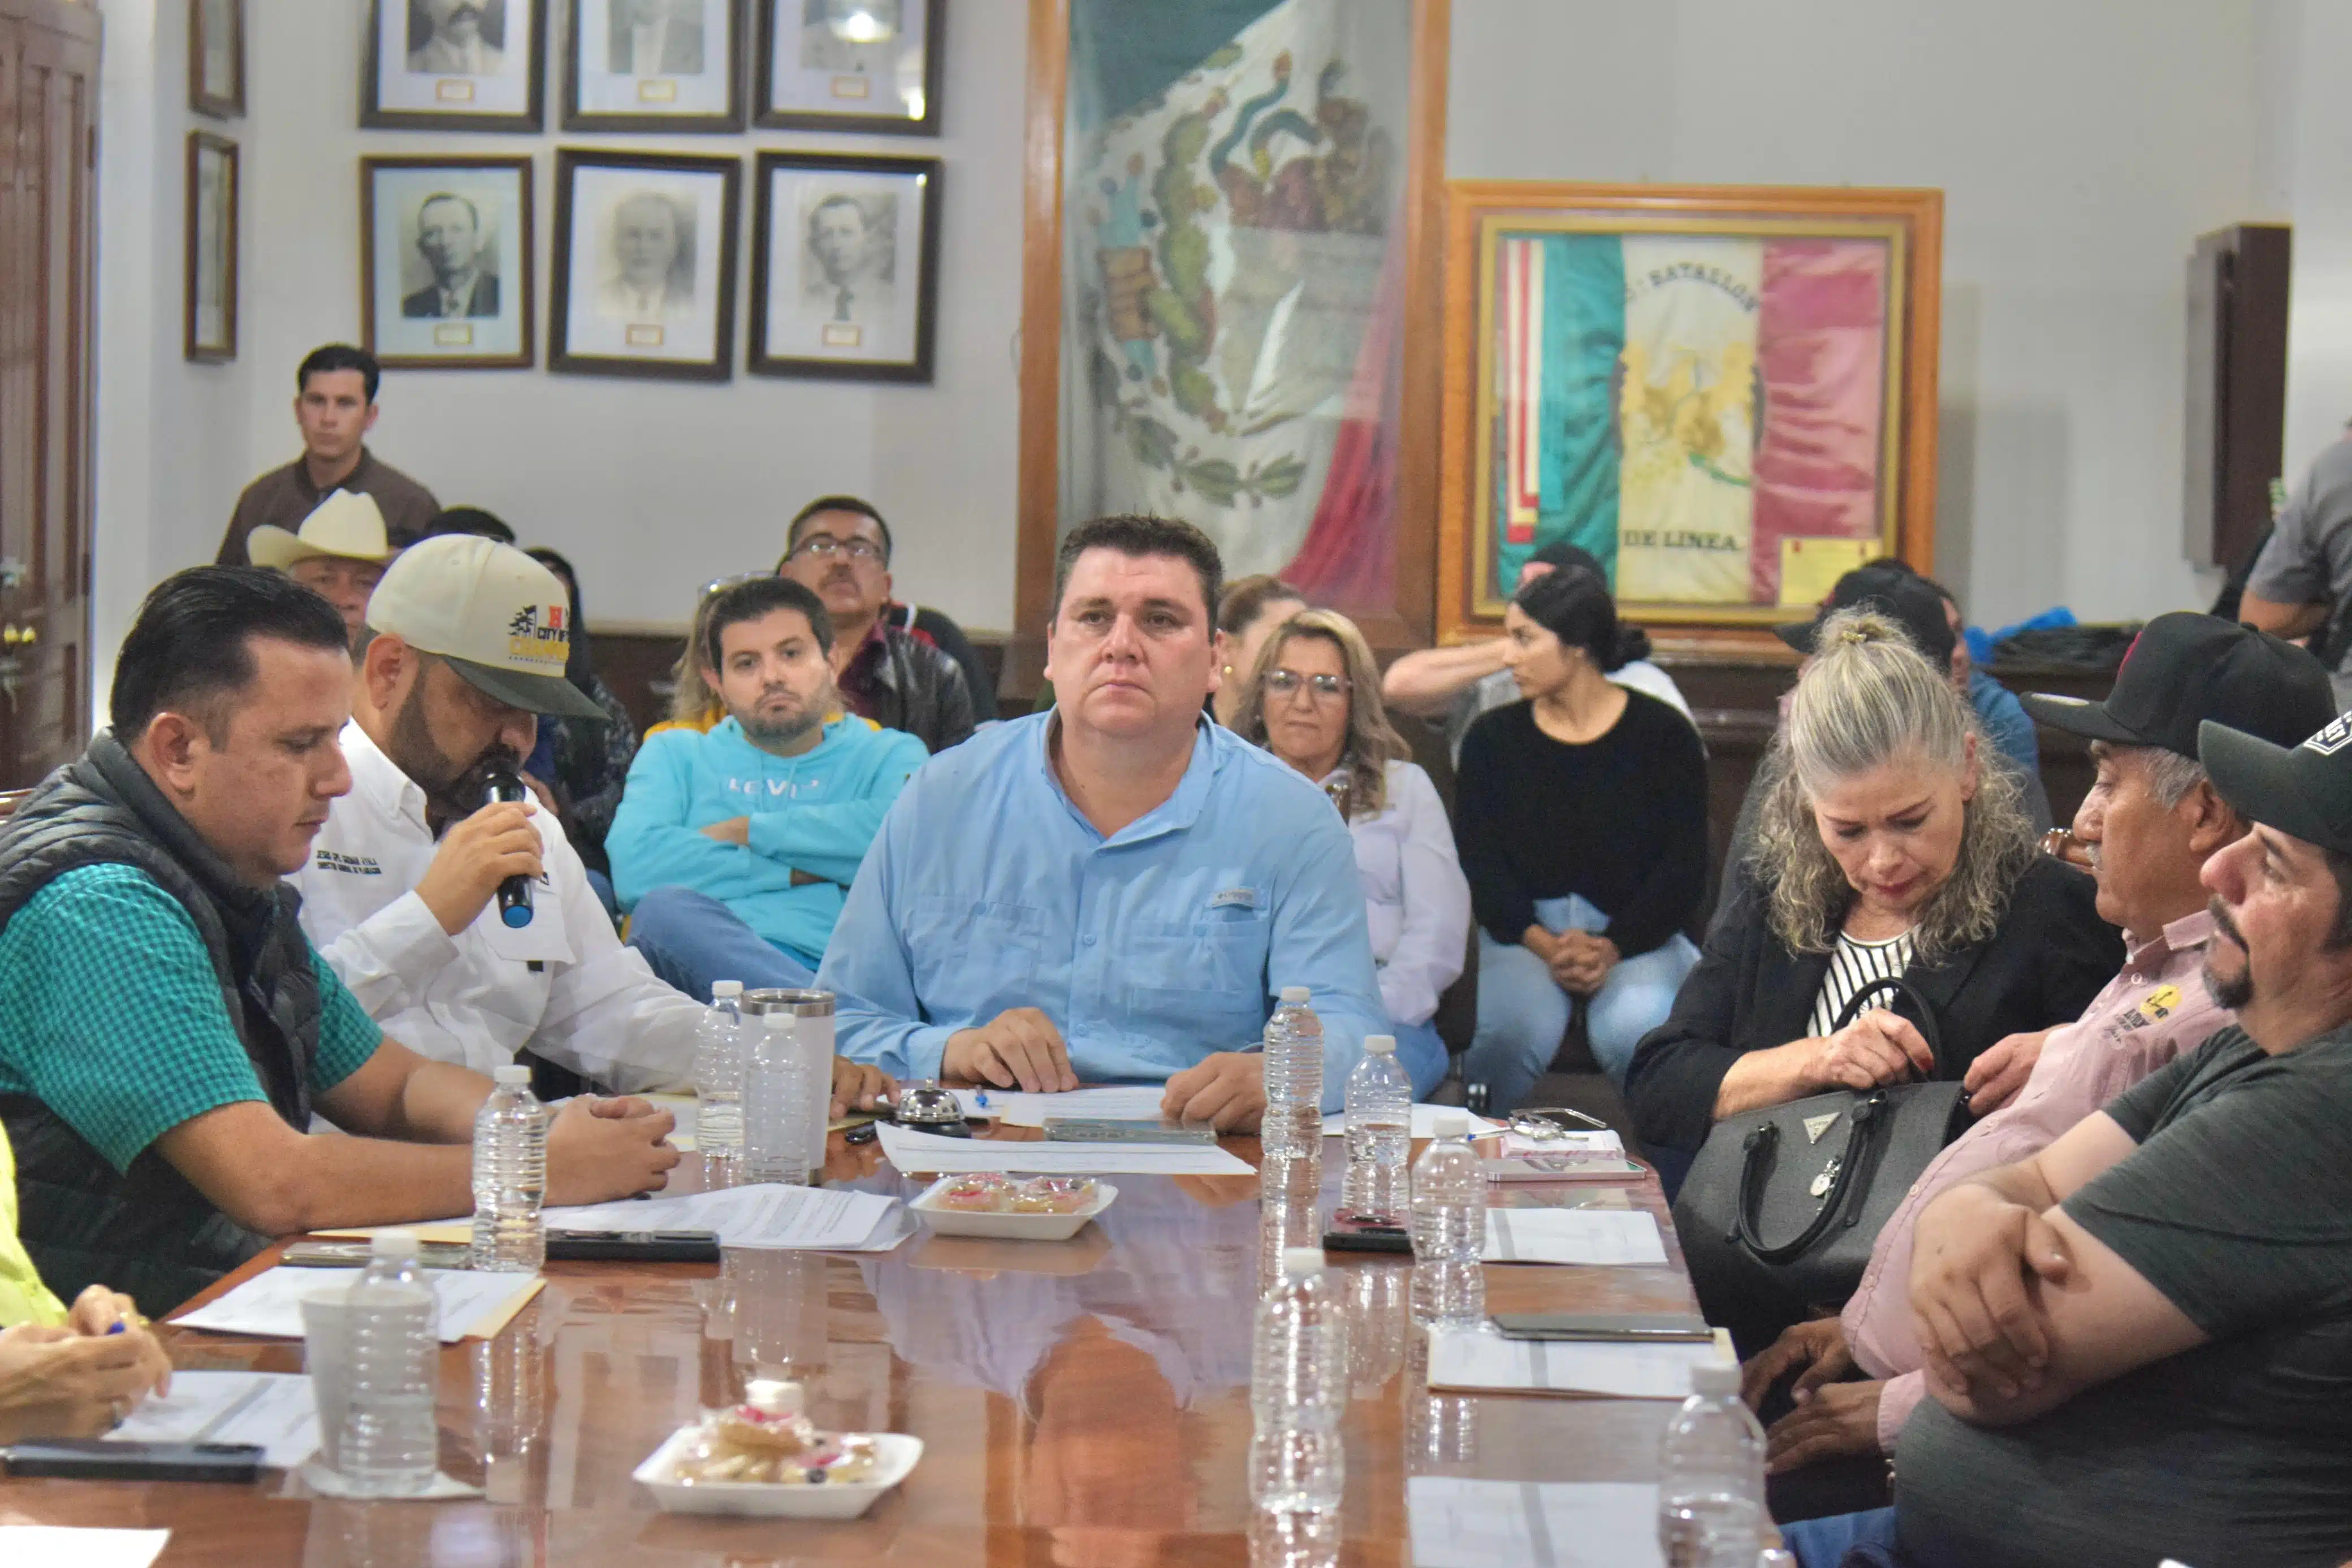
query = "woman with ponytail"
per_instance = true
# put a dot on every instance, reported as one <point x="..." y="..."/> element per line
<point x="1581" y="812"/>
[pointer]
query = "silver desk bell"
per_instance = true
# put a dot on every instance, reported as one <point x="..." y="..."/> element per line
<point x="928" y="1108"/>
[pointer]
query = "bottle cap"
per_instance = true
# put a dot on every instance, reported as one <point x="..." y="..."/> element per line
<point x="1298" y="1261"/>
<point x="1715" y="1378"/>
<point x="1380" y="1045"/>
<point x="393" y="1244"/>
<point x="720" y="989"/>
<point x="1299" y="993"/>
<point x="1450" y="1125"/>
<point x="513" y="1072"/>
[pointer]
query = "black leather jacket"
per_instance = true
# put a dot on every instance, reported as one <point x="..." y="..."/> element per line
<point x="901" y="682"/>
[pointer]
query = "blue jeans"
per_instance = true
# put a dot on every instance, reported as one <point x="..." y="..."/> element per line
<point x="1522" y="1011"/>
<point x="1826" y="1543"/>
<point x="690" y="939"/>
<point x="1423" y="1054"/>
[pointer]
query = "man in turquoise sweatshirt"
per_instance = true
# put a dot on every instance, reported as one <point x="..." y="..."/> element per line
<point x="732" y="851"/>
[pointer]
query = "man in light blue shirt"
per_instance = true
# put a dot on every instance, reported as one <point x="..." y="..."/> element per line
<point x="1114" y="890"/>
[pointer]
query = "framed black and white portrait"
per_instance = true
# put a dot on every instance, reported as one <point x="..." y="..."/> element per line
<point x="644" y="275"/>
<point x="845" y="261"/>
<point x="455" y="64"/>
<point x="208" y="327"/>
<point x="217" y="58"/>
<point x="446" y="262"/>
<point x="662" y="65"/>
<point x="851" y="65"/>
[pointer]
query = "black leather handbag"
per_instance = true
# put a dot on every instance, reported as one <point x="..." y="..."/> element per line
<point x="1782" y="1205"/>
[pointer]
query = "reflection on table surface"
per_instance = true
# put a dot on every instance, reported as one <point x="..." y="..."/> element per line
<point x="1080" y="1403"/>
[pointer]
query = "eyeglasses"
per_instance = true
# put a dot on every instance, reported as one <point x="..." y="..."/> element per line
<point x="1286" y="682"/>
<point x="866" y="552"/>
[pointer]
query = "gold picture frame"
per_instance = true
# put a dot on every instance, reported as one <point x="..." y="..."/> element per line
<point x="1764" y="464"/>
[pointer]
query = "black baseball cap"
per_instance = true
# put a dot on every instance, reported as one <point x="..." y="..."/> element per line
<point x="2184" y="670"/>
<point x="2305" y="791"/>
<point x="1902" y="596"/>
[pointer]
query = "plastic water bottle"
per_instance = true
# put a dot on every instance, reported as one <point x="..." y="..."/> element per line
<point x="1449" y="1229"/>
<point x="392" y="1444"/>
<point x="510" y="1176"/>
<point x="1711" y="1476"/>
<point x="1379" y="1134"/>
<point x="1293" y="1128"/>
<point x="1298" y="1389"/>
<point x="776" y="1105"/>
<point x="718" y="1041"/>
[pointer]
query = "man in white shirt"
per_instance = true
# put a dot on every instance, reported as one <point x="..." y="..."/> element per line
<point x="1459" y="684"/>
<point x="648" y="237"/>
<point x="466" y="641"/>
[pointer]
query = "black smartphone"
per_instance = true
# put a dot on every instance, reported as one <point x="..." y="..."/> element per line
<point x="1634" y="1327"/>
<point x="91" y="1459"/>
<point x="1364" y="1235"/>
<point x="634" y="1246"/>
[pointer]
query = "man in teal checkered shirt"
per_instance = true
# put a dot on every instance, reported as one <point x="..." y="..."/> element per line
<point x="167" y="1031"/>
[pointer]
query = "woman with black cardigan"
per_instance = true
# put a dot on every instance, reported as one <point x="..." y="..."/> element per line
<point x="1888" y="844"/>
<point x="1581" y="817"/>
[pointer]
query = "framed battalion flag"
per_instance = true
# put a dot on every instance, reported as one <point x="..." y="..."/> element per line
<point x="1727" y="394"/>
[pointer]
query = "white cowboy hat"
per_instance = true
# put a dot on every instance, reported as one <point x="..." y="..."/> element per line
<point x="346" y="524"/>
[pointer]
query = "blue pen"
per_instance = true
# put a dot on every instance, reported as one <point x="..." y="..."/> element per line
<point x="120" y="1327"/>
<point x="980" y="1098"/>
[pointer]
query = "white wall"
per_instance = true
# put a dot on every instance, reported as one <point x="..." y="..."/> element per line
<point x="2081" y="146"/>
<point x="2306" y="172"/>
<point x="171" y="436"/>
<point x="653" y="488"/>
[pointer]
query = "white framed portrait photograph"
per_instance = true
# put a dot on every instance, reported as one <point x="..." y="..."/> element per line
<point x="217" y="58"/>
<point x="446" y="262"/>
<point x="643" y="274"/>
<point x="661" y="66"/>
<point x="843" y="267"/>
<point x="455" y="64"/>
<point x="208" y="323"/>
<point x="868" y="66"/>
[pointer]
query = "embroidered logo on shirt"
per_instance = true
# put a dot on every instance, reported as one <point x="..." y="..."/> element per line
<point x="2160" y="1004"/>
<point x="357" y="865"/>
<point x="1236" y="898"/>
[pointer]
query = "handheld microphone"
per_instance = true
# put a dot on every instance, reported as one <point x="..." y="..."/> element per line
<point x="514" y="893"/>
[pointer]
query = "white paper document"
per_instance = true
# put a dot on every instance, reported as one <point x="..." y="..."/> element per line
<point x="1425" y="1122"/>
<point x="1483" y="1360"/>
<point x="1532" y="1524"/>
<point x="1602" y="1236"/>
<point x="270" y="1303"/>
<point x="57" y="1546"/>
<point x="1124" y="1103"/>
<point x="929" y="1152"/>
<point x="766" y="1215"/>
<point x="275" y="1411"/>
<point x="1601" y="1143"/>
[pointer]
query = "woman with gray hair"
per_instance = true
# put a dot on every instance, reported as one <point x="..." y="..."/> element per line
<point x="1889" y="844"/>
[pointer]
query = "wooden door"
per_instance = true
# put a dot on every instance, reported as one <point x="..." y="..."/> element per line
<point x="48" y="119"/>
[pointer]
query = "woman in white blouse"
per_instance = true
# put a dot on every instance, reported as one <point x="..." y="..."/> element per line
<point x="1313" y="699"/>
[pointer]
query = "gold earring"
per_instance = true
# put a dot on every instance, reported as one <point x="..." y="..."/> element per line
<point x="1229" y="669"/>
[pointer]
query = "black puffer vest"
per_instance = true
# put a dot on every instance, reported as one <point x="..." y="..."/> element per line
<point x="148" y="1231"/>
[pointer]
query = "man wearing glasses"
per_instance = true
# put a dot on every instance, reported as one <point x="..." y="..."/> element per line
<point x="903" y="668"/>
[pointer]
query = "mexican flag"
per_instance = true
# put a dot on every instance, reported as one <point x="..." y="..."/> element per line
<point x="1233" y="278"/>
<point x="1701" y="412"/>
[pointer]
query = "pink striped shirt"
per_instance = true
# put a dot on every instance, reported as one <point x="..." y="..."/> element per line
<point x="2155" y="1008"/>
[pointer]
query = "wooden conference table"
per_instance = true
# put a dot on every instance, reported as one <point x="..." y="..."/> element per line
<point x="1081" y="1403"/>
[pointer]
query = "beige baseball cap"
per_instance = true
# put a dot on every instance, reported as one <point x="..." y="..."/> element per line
<point x="346" y="524"/>
<point x="500" y="618"/>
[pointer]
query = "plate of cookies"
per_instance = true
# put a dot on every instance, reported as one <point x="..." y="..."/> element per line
<point x="764" y="1458"/>
<point x="1012" y="1207"/>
